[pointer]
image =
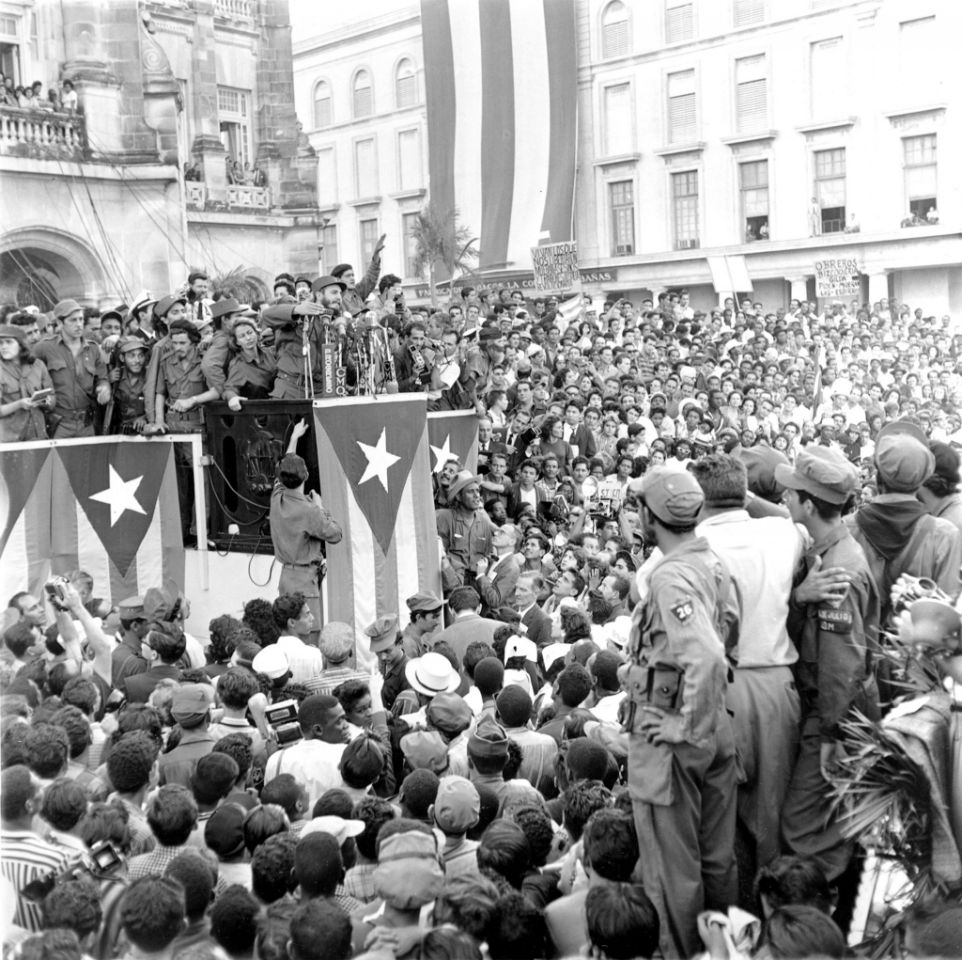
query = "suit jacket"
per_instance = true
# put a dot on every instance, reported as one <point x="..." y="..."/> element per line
<point x="515" y="502"/>
<point x="538" y="624"/>
<point x="486" y="450"/>
<point x="499" y="590"/>
<point x="584" y="440"/>
<point x="141" y="685"/>
<point x="462" y="633"/>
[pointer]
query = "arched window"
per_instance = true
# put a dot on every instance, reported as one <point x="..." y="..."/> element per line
<point x="405" y="84"/>
<point x="322" y="104"/>
<point x="363" y="94"/>
<point x="615" y="30"/>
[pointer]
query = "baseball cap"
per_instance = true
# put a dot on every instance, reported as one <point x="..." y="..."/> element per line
<point x="457" y="807"/>
<point x="821" y="472"/>
<point x="66" y="307"/>
<point x="672" y="495"/>
<point x="425" y="750"/>
<point x="339" y="828"/>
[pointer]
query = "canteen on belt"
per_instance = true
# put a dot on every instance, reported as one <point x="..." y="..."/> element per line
<point x="936" y="623"/>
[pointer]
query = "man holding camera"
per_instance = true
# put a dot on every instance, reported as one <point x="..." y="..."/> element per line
<point x="314" y="760"/>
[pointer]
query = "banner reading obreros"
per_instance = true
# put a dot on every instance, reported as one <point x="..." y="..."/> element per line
<point x="837" y="278"/>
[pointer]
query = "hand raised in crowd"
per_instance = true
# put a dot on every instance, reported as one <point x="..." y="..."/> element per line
<point x="299" y="429"/>
<point x="380" y="244"/>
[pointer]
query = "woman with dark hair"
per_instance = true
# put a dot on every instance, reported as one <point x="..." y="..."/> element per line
<point x="940" y="493"/>
<point x="221" y="630"/>
<point x="252" y="368"/>
<point x="21" y="378"/>
<point x="355" y="697"/>
<point x="553" y="441"/>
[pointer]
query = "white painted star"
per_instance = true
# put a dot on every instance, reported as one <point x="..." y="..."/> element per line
<point x="379" y="460"/>
<point x="120" y="496"/>
<point x="443" y="454"/>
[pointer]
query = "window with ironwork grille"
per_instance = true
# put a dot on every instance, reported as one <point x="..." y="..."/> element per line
<point x="684" y="209"/>
<point x="323" y="115"/>
<point x="682" y="108"/>
<point x="921" y="168"/>
<point x="751" y="93"/>
<point x="679" y="21"/>
<point x="615" y="30"/>
<point x="363" y="94"/>
<point x="405" y="85"/>
<point x="753" y="188"/>
<point x="621" y="203"/>
<point x="830" y="188"/>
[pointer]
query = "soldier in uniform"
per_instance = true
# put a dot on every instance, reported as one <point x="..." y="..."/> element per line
<point x="181" y="392"/>
<point x="78" y="373"/>
<point x="300" y="526"/>
<point x="299" y="331"/>
<point x="835" y="640"/>
<point x="217" y="356"/>
<point x="129" y="411"/>
<point x="681" y="753"/>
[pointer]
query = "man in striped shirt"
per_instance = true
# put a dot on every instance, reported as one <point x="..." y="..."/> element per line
<point x="24" y="857"/>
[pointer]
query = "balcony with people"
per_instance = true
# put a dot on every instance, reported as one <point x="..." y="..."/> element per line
<point x="38" y="125"/>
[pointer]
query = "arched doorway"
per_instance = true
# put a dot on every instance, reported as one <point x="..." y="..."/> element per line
<point x="40" y="265"/>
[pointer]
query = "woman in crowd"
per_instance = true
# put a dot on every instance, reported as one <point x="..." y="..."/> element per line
<point x="26" y="390"/>
<point x="251" y="372"/>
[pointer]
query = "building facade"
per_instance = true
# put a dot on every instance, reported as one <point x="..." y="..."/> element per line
<point x="725" y="146"/>
<point x="183" y="151"/>
<point x="731" y="145"/>
<point x="360" y="94"/>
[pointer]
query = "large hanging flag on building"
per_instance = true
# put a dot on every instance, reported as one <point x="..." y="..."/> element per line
<point x="106" y="506"/>
<point x="453" y="435"/>
<point x="502" y="93"/>
<point x="373" y="461"/>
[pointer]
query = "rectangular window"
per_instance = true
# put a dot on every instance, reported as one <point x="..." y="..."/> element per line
<point x="827" y="74"/>
<point x="326" y="176"/>
<point x="618" y="139"/>
<point x="621" y="200"/>
<point x="365" y="169"/>
<point x="753" y="187"/>
<point x="830" y="188"/>
<point x="408" y="223"/>
<point x="409" y="160"/>
<point x="918" y="42"/>
<point x="369" y="232"/>
<point x="329" y="258"/>
<point x="684" y="209"/>
<point x="920" y="163"/>
<point x="751" y="94"/>
<point x="682" y="114"/>
<point x="234" y="117"/>
<point x="746" y="13"/>
<point x="10" y="47"/>
<point x="679" y="21"/>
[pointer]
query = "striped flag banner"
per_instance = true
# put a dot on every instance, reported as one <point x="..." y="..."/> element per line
<point x="104" y="505"/>
<point x="373" y="459"/>
<point x="500" y="62"/>
<point x="569" y="311"/>
<point x="453" y="435"/>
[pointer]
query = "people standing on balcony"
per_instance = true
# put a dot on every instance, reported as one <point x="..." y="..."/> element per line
<point x="252" y="369"/>
<point x="258" y="177"/>
<point x="356" y="294"/>
<point x="68" y="97"/>
<point x="78" y="372"/>
<point x="22" y="380"/>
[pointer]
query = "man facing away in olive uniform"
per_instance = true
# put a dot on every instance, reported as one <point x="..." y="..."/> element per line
<point x="835" y="639"/>
<point x="681" y="755"/>
<point x="300" y="525"/>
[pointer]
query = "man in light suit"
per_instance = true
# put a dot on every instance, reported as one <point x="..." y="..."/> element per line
<point x="497" y="579"/>
<point x="533" y="618"/>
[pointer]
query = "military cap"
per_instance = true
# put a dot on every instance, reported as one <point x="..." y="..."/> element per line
<point x="672" y="495"/>
<point x="383" y="633"/>
<point x="66" y="307"/>
<point x="820" y="471"/>
<point x="133" y="607"/>
<point x="488" y="739"/>
<point x="224" y="308"/>
<point x="162" y="306"/>
<point x="423" y="602"/>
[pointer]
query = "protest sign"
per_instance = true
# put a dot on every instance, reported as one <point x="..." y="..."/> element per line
<point x="555" y="266"/>
<point x="837" y="278"/>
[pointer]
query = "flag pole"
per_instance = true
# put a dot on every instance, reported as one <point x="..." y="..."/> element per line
<point x="200" y="507"/>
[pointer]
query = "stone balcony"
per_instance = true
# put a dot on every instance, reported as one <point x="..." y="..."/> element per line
<point x="239" y="197"/>
<point x="41" y="134"/>
<point x="236" y="10"/>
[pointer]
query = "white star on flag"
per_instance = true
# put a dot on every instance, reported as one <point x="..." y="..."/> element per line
<point x="443" y="454"/>
<point x="379" y="460"/>
<point x="120" y="496"/>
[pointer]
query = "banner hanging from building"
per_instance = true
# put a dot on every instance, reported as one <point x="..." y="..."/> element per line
<point x="555" y="267"/>
<point x="374" y="468"/>
<point x="502" y="93"/>
<point x="107" y="506"/>
<point x="837" y="278"/>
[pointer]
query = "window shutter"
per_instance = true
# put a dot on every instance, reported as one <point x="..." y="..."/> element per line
<point x="366" y="172"/>
<point x="827" y="69"/>
<point x="745" y="13"/>
<point x="614" y="39"/>
<point x="410" y="159"/>
<point x="618" y="139"/>
<point x="682" y="109"/>
<point x="751" y="93"/>
<point x="326" y="176"/>
<point x="679" y="22"/>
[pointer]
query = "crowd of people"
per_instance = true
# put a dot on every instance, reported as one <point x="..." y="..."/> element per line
<point x="613" y="732"/>
<point x="62" y="99"/>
